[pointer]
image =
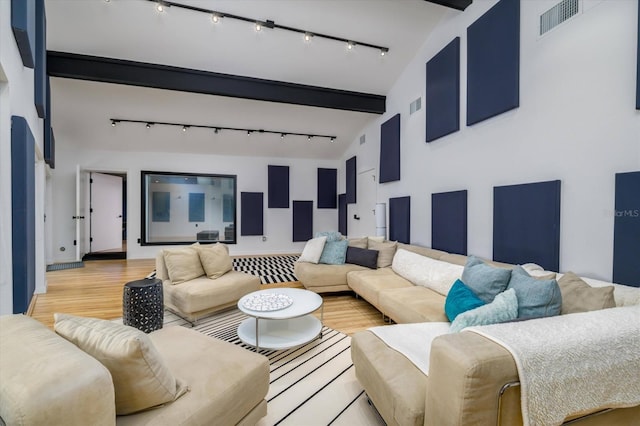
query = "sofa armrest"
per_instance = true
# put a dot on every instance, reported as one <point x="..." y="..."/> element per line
<point x="466" y="374"/>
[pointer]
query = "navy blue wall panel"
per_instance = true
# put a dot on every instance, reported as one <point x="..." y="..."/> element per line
<point x="23" y="225"/>
<point x="449" y="221"/>
<point x="160" y="206"/>
<point x="302" y="220"/>
<point x="350" y="177"/>
<point x="626" y="234"/>
<point x="40" y="70"/>
<point x="342" y="214"/>
<point x="390" y="150"/>
<point x="49" y="138"/>
<point x="493" y="62"/>
<point x="23" y="24"/>
<point x="442" y="99"/>
<point x="278" y="187"/>
<point x="196" y="207"/>
<point x="327" y="188"/>
<point x="252" y="213"/>
<point x="400" y="219"/>
<point x="526" y="224"/>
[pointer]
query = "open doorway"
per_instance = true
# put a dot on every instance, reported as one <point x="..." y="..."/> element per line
<point x="107" y="216"/>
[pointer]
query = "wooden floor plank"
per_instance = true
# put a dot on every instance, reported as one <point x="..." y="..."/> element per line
<point x="96" y="291"/>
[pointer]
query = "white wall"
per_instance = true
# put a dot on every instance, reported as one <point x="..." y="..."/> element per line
<point x="252" y="177"/>
<point x="16" y="98"/>
<point x="576" y="122"/>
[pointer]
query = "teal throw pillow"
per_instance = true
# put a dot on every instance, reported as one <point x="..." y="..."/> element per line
<point x="484" y="280"/>
<point x="334" y="252"/>
<point x="536" y="297"/>
<point x="503" y="308"/>
<point x="331" y="235"/>
<point x="460" y="299"/>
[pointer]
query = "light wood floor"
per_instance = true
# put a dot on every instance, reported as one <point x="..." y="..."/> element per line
<point x="96" y="291"/>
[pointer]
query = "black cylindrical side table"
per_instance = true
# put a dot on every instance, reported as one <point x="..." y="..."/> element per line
<point x="143" y="304"/>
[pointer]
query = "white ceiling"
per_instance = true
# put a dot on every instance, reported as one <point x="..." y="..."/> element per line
<point x="134" y="30"/>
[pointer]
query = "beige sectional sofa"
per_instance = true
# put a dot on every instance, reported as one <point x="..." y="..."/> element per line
<point x="468" y="372"/>
<point x="47" y="380"/>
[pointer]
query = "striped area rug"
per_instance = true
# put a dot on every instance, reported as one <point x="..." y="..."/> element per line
<point x="270" y="269"/>
<point x="313" y="384"/>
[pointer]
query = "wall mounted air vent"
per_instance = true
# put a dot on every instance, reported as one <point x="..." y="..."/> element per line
<point x="363" y="139"/>
<point x="415" y="106"/>
<point x="558" y="14"/>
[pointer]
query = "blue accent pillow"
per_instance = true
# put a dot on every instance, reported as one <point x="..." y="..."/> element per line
<point x="334" y="252"/>
<point x="484" y="280"/>
<point x="460" y="299"/>
<point x="536" y="297"/>
<point x="331" y="235"/>
<point x="362" y="257"/>
<point x="503" y="308"/>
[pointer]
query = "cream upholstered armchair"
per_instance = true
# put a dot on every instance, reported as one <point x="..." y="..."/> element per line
<point x="199" y="279"/>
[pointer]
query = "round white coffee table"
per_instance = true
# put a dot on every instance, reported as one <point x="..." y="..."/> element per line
<point x="282" y="327"/>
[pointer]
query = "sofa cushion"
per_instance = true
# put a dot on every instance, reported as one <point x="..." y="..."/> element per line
<point x="386" y="251"/>
<point x="578" y="296"/>
<point x="183" y="264"/>
<point x="47" y="380"/>
<point x="412" y="304"/>
<point x="503" y="308"/>
<point x="359" y="242"/>
<point x="460" y="299"/>
<point x="427" y="272"/>
<point x="362" y="257"/>
<point x="313" y="250"/>
<point x="334" y="252"/>
<point x="332" y="236"/>
<point x="485" y="280"/>
<point x="215" y="260"/>
<point x="324" y="278"/>
<point x="368" y="283"/>
<point x="140" y="376"/>
<point x="537" y="297"/>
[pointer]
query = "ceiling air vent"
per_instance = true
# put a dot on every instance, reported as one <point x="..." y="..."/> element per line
<point x="363" y="139"/>
<point x="558" y="14"/>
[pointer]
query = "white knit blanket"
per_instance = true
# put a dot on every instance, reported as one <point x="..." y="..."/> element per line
<point x="573" y="364"/>
<point x="412" y="340"/>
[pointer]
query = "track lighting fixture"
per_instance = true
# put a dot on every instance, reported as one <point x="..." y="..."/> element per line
<point x="218" y="129"/>
<point x="258" y="25"/>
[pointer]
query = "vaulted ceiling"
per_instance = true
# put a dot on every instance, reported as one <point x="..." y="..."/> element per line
<point x="133" y="30"/>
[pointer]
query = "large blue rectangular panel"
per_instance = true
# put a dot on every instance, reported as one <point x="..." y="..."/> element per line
<point x="449" y="221"/>
<point x="23" y="24"/>
<point x="278" y="187"/>
<point x="390" y="150"/>
<point x="327" y="188"/>
<point x="442" y="98"/>
<point x="49" y="138"/>
<point x="526" y="224"/>
<point x="638" y="63"/>
<point x="493" y="62"/>
<point x="350" y="177"/>
<point x="40" y="70"/>
<point x="400" y="219"/>
<point x="23" y="225"/>
<point x="160" y="206"/>
<point x="626" y="234"/>
<point x="342" y="214"/>
<point x="252" y="213"/>
<point x="302" y="220"/>
<point x="196" y="207"/>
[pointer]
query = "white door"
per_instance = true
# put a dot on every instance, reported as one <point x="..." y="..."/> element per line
<point x="82" y="224"/>
<point x="362" y="220"/>
<point x="106" y="212"/>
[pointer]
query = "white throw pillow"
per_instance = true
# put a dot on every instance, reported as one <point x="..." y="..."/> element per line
<point x="421" y="270"/>
<point x="313" y="250"/>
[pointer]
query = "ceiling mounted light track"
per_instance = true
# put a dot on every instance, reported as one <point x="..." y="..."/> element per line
<point x="259" y="25"/>
<point x="218" y="129"/>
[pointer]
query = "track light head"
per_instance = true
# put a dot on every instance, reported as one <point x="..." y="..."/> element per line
<point x="113" y="123"/>
<point x="160" y="7"/>
<point x="148" y="125"/>
<point x="258" y="26"/>
<point x="216" y="130"/>
<point x="249" y="132"/>
<point x="308" y="37"/>
<point x="309" y="137"/>
<point x="350" y="45"/>
<point x="215" y="18"/>
<point x="184" y="128"/>
<point x="281" y="135"/>
<point x="384" y="51"/>
<point x="333" y="140"/>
